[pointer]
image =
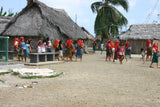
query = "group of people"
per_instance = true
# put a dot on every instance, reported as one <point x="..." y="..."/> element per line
<point x="69" y="49"/>
<point x="22" y="48"/>
<point x="119" y="50"/>
<point x="151" y="53"/>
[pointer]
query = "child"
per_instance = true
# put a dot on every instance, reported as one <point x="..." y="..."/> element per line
<point x="155" y="55"/>
<point x="108" y="51"/>
<point x="26" y="49"/>
<point x="127" y="50"/>
<point x="21" y="45"/>
<point x="143" y="55"/>
<point x="102" y="47"/>
<point x="121" y="52"/>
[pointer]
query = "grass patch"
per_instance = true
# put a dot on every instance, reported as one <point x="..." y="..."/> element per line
<point x="9" y="71"/>
<point x="2" y="81"/>
<point x="3" y="73"/>
<point x="35" y="77"/>
<point x="15" y="73"/>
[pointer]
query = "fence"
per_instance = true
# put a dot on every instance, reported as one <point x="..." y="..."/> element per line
<point x="3" y="49"/>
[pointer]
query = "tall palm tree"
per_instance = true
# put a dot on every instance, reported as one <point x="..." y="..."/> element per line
<point x="109" y="19"/>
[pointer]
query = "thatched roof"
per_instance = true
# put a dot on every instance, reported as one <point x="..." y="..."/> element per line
<point x="142" y="32"/>
<point x="90" y="36"/>
<point x="3" y="22"/>
<point x="37" y="19"/>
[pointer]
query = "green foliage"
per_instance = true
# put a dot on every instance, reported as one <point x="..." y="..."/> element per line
<point x="3" y="73"/>
<point x="2" y="81"/>
<point x="9" y="13"/>
<point x="109" y="20"/>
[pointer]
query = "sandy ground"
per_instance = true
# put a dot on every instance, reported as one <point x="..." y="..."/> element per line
<point x="91" y="83"/>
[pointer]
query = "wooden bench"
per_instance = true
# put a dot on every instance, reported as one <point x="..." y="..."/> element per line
<point x="10" y="54"/>
<point x="41" y="57"/>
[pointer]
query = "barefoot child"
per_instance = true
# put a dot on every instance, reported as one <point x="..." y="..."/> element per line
<point x="143" y="55"/>
<point x="121" y="52"/>
<point x="155" y="55"/>
<point x="108" y="50"/>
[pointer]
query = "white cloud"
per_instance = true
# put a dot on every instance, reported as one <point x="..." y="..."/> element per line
<point x="132" y="3"/>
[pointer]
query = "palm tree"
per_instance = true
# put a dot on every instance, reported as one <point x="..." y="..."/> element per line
<point x="109" y="19"/>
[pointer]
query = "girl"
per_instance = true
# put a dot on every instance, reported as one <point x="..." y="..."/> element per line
<point x="94" y="46"/>
<point x="102" y="45"/>
<point x="127" y="50"/>
<point x="121" y="52"/>
<point x="143" y="54"/>
<point x="108" y="51"/>
<point x="21" y="45"/>
<point x="39" y="48"/>
<point x="27" y="49"/>
<point x="79" y="47"/>
<point x="155" y="55"/>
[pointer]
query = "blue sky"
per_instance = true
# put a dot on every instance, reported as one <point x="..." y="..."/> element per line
<point x="137" y="14"/>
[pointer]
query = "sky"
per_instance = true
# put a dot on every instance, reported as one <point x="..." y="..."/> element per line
<point x="80" y="11"/>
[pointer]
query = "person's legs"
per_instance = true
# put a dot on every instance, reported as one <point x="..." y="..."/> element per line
<point x="81" y="59"/>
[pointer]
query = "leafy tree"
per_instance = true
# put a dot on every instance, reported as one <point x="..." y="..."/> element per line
<point x="109" y="19"/>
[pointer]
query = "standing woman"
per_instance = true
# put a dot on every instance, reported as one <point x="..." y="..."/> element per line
<point x="108" y="50"/>
<point x="61" y="50"/>
<point x="21" y="46"/>
<point x="116" y="53"/>
<point x="79" y="47"/>
<point x="155" y="55"/>
<point x="56" y="47"/>
<point x="94" y="46"/>
<point x="149" y="50"/>
<point x="69" y="46"/>
<point x="121" y="52"/>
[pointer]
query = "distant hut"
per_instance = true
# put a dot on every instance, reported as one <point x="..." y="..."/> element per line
<point x="4" y="20"/>
<point x="38" y="21"/>
<point x="138" y="35"/>
<point x="89" y="41"/>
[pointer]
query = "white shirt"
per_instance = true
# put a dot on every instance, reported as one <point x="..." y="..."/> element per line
<point x="102" y="46"/>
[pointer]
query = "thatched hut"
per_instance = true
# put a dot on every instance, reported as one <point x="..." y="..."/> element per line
<point x="138" y="35"/>
<point x="4" y="20"/>
<point x="38" y="21"/>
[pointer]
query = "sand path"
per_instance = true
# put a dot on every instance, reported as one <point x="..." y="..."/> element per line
<point x="91" y="83"/>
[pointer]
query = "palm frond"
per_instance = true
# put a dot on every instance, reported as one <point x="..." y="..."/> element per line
<point x="123" y="3"/>
<point x="96" y="6"/>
